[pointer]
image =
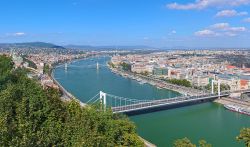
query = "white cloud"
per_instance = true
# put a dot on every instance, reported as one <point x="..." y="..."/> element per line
<point x="172" y="32"/>
<point x="221" y="26"/>
<point x="231" y="34"/>
<point x="246" y="19"/>
<point x="227" y="27"/>
<point x="230" y="13"/>
<point x="220" y="29"/>
<point x="206" y="33"/>
<point x="202" y="4"/>
<point x="17" y="34"/>
<point x="237" y="29"/>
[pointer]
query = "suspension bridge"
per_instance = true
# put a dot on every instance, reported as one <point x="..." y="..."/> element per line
<point x="95" y="66"/>
<point x="133" y="106"/>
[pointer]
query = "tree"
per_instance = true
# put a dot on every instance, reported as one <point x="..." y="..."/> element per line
<point x="111" y="64"/>
<point x="145" y="73"/>
<point x="223" y="87"/>
<point x="32" y="116"/>
<point x="46" y="69"/>
<point x="181" y="82"/>
<point x="244" y="136"/>
<point x="6" y="65"/>
<point x="125" y="66"/>
<point x="203" y="143"/>
<point x="185" y="142"/>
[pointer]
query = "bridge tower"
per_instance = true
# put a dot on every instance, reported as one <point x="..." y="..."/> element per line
<point x="214" y="81"/>
<point x="103" y="100"/>
<point x="97" y="65"/>
<point x="65" y="66"/>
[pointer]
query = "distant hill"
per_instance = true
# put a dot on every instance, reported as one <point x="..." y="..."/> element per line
<point x="31" y="45"/>
<point x="88" y="47"/>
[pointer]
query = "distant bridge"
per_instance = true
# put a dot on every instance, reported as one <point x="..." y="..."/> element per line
<point x="133" y="106"/>
<point x="96" y="66"/>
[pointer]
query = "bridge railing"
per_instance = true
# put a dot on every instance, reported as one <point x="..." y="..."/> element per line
<point x="164" y="101"/>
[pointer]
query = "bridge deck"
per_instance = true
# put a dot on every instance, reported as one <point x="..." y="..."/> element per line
<point x="163" y="102"/>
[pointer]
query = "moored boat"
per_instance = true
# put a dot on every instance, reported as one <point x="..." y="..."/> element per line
<point x="237" y="109"/>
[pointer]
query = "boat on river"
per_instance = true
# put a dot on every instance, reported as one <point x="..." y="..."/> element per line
<point x="237" y="109"/>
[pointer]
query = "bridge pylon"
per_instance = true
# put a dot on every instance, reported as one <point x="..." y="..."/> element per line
<point x="212" y="84"/>
<point x="103" y="100"/>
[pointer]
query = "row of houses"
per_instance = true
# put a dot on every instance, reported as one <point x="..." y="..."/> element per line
<point x="198" y="73"/>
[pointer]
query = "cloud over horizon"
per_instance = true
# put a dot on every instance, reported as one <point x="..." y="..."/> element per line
<point x="230" y="13"/>
<point x="220" y="29"/>
<point x="203" y="4"/>
<point x="246" y="19"/>
<point x="16" y="34"/>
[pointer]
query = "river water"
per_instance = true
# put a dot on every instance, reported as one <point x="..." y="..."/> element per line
<point x="209" y="121"/>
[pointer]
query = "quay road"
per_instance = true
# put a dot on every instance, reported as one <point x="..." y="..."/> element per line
<point x="66" y="96"/>
<point x="159" y="83"/>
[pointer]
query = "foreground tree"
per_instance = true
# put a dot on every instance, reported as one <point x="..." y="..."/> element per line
<point x="185" y="142"/>
<point x="244" y="136"/>
<point x="31" y="116"/>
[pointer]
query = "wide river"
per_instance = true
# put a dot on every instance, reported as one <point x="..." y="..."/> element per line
<point x="209" y="121"/>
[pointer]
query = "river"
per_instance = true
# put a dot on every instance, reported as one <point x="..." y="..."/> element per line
<point x="209" y="121"/>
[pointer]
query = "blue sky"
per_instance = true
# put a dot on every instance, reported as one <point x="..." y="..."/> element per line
<point x="158" y="23"/>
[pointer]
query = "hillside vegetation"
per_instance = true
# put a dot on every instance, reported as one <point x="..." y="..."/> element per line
<point x="31" y="116"/>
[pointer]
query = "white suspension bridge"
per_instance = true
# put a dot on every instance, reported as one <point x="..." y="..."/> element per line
<point x="96" y="66"/>
<point x="128" y="105"/>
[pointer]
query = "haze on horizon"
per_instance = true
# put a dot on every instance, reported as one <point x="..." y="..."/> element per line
<point x="161" y="23"/>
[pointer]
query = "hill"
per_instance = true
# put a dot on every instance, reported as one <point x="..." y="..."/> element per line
<point x="31" y="45"/>
<point x="111" y="47"/>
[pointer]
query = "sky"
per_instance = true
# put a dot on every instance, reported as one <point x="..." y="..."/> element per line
<point x="156" y="23"/>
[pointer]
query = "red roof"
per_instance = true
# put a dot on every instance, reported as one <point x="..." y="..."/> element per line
<point x="231" y="66"/>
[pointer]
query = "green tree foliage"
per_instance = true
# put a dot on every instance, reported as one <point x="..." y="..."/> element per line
<point x="181" y="82"/>
<point x="46" y="69"/>
<point x="203" y="143"/>
<point x="31" y="63"/>
<point x="6" y="66"/>
<point x="223" y="87"/>
<point x="244" y="136"/>
<point x="32" y="116"/>
<point x="145" y="73"/>
<point x="125" y="66"/>
<point x="111" y="64"/>
<point x="185" y="142"/>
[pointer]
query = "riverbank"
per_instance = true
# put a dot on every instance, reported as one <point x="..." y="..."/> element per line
<point x="234" y="102"/>
<point x="156" y="82"/>
<point x="66" y="96"/>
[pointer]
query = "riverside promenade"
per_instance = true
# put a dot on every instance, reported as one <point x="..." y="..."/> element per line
<point x="66" y="96"/>
<point x="234" y="101"/>
<point x="158" y="82"/>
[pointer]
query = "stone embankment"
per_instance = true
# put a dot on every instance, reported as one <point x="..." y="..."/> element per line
<point x="234" y="101"/>
<point x="157" y="82"/>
